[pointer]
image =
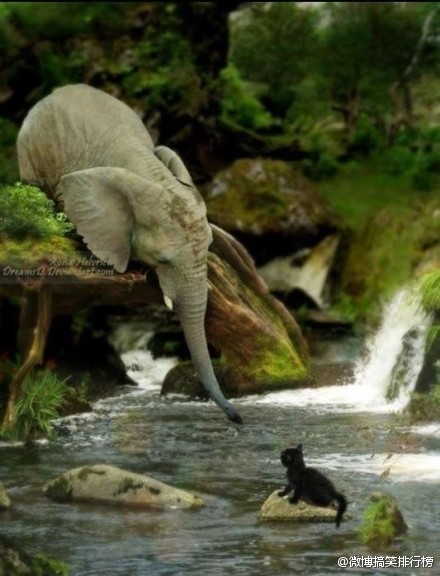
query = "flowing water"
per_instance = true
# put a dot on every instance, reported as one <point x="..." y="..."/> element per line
<point x="348" y="430"/>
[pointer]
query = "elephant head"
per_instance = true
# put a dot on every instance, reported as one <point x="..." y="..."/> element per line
<point x="162" y="222"/>
<point x="127" y="199"/>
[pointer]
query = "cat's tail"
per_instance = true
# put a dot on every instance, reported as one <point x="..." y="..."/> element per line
<point x="340" y="498"/>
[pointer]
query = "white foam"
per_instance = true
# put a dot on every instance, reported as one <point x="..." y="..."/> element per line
<point x="402" y="315"/>
<point x="346" y="398"/>
<point x="374" y="373"/>
<point x="147" y="372"/>
<point x="432" y="429"/>
<point x="411" y="467"/>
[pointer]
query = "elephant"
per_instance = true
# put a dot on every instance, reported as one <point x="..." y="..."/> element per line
<point x="128" y="200"/>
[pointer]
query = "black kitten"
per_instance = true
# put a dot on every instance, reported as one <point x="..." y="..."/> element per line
<point x="309" y="484"/>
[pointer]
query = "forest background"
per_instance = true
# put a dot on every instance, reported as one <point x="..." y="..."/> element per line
<point x="348" y="92"/>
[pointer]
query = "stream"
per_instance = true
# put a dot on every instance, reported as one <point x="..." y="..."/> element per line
<point x="348" y="430"/>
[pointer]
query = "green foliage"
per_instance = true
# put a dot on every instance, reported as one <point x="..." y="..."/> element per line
<point x="397" y="159"/>
<point x="415" y="155"/>
<point x="433" y="340"/>
<point x="273" y="46"/>
<point x="8" y="132"/>
<point x="43" y="396"/>
<point x="162" y="69"/>
<point x="44" y="565"/>
<point x="25" y="211"/>
<point x="366" y="47"/>
<point x="390" y="237"/>
<point x="139" y="47"/>
<point x="58" y="20"/>
<point x="240" y="103"/>
<point x="430" y="290"/>
<point x="320" y="165"/>
<point x="366" y="137"/>
<point x="323" y="148"/>
<point x="8" y="157"/>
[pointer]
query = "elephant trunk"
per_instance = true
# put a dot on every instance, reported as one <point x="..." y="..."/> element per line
<point x="191" y="308"/>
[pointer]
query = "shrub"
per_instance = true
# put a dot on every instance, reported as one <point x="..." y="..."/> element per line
<point x="366" y="137"/>
<point x="240" y="104"/>
<point x="25" y="211"/>
<point x="320" y="166"/>
<point x="397" y="160"/>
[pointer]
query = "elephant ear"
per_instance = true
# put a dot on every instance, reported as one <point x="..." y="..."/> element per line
<point x="99" y="202"/>
<point x="174" y="164"/>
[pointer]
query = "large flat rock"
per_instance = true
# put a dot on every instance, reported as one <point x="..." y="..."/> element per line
<point x="112" y="485"/>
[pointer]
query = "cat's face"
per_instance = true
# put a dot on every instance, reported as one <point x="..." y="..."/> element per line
<point x="292" y="456"/>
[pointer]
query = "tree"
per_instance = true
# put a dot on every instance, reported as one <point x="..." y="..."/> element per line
<point x="367" y="48"/>
<point x="272" y="44"/>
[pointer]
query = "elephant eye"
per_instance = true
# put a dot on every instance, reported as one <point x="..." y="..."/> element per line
<point x="161" y="259"/>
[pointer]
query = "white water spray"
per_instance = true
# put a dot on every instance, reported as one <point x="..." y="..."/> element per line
<point x="395" y="354"/>
<point x="386" y="376"/>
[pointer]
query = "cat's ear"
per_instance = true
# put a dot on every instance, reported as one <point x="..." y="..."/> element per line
<point x="300" y="448"/>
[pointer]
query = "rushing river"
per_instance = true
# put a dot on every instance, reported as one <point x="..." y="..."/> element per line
<point x="348" y="431"/>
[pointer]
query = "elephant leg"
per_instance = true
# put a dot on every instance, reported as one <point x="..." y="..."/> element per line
<point x="35" y="321"/>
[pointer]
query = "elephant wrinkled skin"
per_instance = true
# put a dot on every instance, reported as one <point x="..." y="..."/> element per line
<point x="128" y="199"/>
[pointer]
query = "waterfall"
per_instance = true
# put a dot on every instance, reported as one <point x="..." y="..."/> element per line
<point x="389" y="371"/>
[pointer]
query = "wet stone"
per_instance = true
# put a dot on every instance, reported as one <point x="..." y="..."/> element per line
<point x="112" y="485"/>
<point x="280" y="509"/>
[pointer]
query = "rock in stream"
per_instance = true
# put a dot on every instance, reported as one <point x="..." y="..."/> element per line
<point x="112" y="485"/>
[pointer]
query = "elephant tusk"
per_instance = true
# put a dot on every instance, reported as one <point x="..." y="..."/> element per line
<point x="168" y="302"/>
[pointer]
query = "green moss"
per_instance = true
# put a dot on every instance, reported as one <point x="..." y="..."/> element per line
<point x="361" y="189"/>
<point x="60" y="489"/>
<point x="246" y="208"/>
<point x="389" y="246"/>
<point x="29" y="254"/>
<point x="382" y="521"/>
<point x="259" y="195"/>
<point x="274" y="363"/>
<point x="43" y="565"/>
<point x="32" y="233"/>
<point x="86" y="471"/>
<point x="129" y="484"/>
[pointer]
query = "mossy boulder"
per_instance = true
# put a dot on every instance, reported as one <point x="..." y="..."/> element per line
<point x="382" y="521"/>
<point x="259" y="339"/>
<point x="261" y="345"/>
<point x="16" y="562"/>
<point x="277" y="509"/>
<point x="270" y="206"/>
<point x="112" y="485"/>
